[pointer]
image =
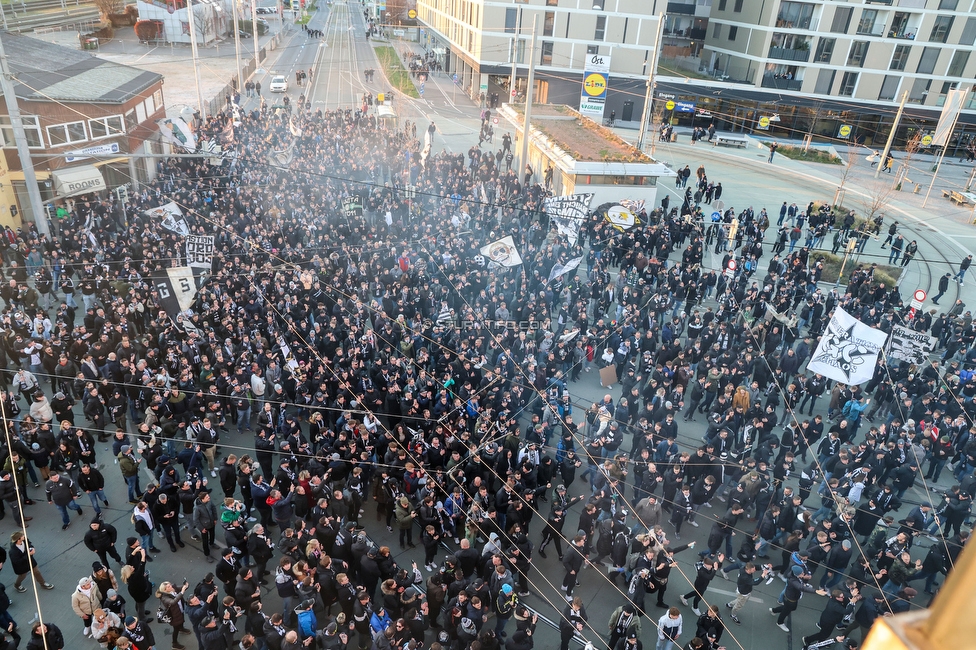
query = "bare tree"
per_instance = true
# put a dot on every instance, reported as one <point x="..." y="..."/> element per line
<point x="108" y="7"/>
<point x="875" y="201"/>
<point x="845" y="174"/>
<point x="912" y="147"/>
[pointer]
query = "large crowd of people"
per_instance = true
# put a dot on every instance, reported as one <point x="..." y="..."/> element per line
<point x="377" y="357"/>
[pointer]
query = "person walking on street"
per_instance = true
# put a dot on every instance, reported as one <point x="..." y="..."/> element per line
<point x="743" y="588"/>
<point x="129" y="466"/>
<point x="963" y="267"/>
<point x="896" y="247"/>
<point x="910" y="251"/>
<point x="100" y="539"/>
<point x="772" y="151"/>
<point x="572" y="622"/>
<point x="943" y="287"/>
<point x="22" y="562"/>
<point x="669" y="629"/>
<point x="62" y="492"/>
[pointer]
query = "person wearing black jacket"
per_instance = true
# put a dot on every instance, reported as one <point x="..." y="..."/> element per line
<point x="743" y="588"/>
<point x="573" y="563"/>
<point x="834" y="612"/>
<point x="553" y="531"/>
<point x="796" y="584"/>
<point x="100" y="539"/>
<point x="45" y="636"/>
<point x="572" y="621"/>
<point x="706" y="572"/>
<point x="226" y="570"/>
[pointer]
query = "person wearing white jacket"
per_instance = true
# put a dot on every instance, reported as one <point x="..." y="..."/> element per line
<point x="102" y="622"/>
<point x="669" y="629"/>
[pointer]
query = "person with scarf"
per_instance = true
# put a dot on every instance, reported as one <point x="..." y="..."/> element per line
<point x="84" y="601"/>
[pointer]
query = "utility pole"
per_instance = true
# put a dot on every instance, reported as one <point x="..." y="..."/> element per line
<point x="524" y="157"/>
<point x="254" y="34"/>
<point x="237" y="47"/>
<point x="23" y="151"/>
<point x="515" y="44"/>
<point x="191" y="23"/>
<point x="891" y="134"/>
<point x="647" y="113"/>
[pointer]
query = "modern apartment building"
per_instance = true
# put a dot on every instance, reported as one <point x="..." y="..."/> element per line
<point x="820" y="65"/>
<point x="478" y="40"/>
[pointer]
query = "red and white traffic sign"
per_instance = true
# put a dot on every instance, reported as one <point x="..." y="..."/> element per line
<point x="730" y="269"/>
<point x="731" y="265"/>
<point x="513" y="92"/>
<point x="918" y="298"/>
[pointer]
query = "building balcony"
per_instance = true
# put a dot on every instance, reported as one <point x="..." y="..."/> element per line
<point x="781" y="83"/>
<point x="789" y="54"/>
<point x="683" y="8"/>
<point x="693" y="34"/>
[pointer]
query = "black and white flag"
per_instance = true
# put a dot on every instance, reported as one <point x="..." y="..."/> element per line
<point x="568" y="213"/>
<point x="171" y="218"/>
<point x="562" y="269"/>
<point x="502" y="252"/>
<point x="908" y="345"/>
<point x="848" y="350"/>
<point x="199" y="251"/>
<point x="175" y="290"/>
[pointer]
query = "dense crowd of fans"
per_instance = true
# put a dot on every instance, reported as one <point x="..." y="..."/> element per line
<point x="351" y="322"/>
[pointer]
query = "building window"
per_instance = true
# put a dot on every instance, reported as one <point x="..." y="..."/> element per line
<point x="733" y="32"/>
<point x="842" y="20"/>
<point x="721" y="4"/>
<point x="900" y="58"/>
<point x="825" y="82"/>
<point x="548" y="23"/>
<point x="825" y="48"/>
<point x="926" y="65"/>
<point x="940" y="30"/>
<point x="958" y="64"/>
<point x="795" y="15"/>
<point x="106" y="127"/>
<point x="738" y="6"/>
<point x="947" y="86"/>
<point x="847" y="84"/>
<point x="717" y="31"/>
<point x="68" y="133"/>
<point x="546" y="53"/>
<point x="601" y="28"/>
<point x="968" y="36"/>
<point x="948" y="4"/>
<point x="866" y="24"/>
<point x="857" y="54"/>
<point x="920" y="89"/>
<point x="592" y="49"/>
<point x="552" y="3"/>
<point x="32" y="130"/>
<point x="158" y="98"/>
<point x="511" y="16"/>
<point x="889" y="88"/>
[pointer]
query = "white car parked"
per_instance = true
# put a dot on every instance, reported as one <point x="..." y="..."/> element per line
<point x="278" y="84"/>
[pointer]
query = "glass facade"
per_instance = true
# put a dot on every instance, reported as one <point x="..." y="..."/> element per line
<point x="869" y="125"/>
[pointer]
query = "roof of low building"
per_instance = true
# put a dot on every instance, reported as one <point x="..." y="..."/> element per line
<point x="45" y="71"/>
